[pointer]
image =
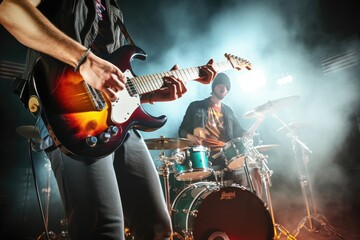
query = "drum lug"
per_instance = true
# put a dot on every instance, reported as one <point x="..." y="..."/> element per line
<point x="188" y="235"/>
<point x="191" y="213"/>
<point x="190" y="166"/>
<point x="194" y="213"/>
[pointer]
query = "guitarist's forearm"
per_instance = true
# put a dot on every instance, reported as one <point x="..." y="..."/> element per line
<point x="30" y="27"/>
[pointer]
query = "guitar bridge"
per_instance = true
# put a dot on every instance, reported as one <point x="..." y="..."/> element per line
<point x="96" y="97"/>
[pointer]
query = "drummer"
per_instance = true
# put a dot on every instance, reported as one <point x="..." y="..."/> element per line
<point x="212" y="124"/>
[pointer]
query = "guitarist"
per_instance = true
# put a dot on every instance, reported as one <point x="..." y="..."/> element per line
<point x="98" y="195"/>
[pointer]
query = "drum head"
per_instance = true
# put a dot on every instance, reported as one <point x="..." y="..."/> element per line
<point x="234" y="213"/>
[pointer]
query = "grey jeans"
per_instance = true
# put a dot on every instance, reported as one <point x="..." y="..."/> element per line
<point x="102" y="197"/>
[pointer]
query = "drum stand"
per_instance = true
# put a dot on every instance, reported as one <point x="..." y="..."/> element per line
<point x="313" y="221"/>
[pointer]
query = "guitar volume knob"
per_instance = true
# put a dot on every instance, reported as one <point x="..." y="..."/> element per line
<point x="113" y="130"/>
<point x="105" y="137"/>
<point x="91" y="141"/>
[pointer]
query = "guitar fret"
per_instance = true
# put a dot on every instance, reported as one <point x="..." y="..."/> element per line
<point x="148" y="81"/>
<point x="187" y="73"/>
<point x="159" y="82"/>
<point x="150" y="85"/>
<point x="224" y="66"/>
<point x="143" y="85"/>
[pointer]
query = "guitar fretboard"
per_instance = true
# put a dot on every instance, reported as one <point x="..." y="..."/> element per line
<point x="151" y="82"/>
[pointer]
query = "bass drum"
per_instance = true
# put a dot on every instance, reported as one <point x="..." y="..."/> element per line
<point x="204" y="211"/>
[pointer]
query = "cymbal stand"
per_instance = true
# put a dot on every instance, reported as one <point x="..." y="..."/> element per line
<point x="266" y="174"/>
<point x="165" y="173"/>
<point x="313" y="219"/>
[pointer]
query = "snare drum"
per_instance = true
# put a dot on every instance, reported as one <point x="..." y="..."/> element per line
<point x="204" y="210"/>
<point x="192" y="164"/>
<point x="234" y="153"/>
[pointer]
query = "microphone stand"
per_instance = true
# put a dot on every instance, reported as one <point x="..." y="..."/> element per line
<point x="312" y="218"/>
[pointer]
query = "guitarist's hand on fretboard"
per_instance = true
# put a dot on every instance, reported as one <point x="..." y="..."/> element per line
<point x="174" y="88"/>
<point x="208" y="72"/>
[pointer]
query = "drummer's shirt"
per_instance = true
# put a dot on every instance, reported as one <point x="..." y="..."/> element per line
<point x="215" y="126"/>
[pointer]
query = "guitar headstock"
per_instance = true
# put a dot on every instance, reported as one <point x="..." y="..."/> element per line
<point x="238" y="63"/>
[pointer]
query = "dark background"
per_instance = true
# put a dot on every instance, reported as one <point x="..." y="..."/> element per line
<point x="279" y="37"/>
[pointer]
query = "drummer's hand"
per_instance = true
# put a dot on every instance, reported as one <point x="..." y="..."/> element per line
<point x="194" y="139"/>
<point x="201" y="132"/>
<point x="260" y="117"/>
<point x="251" y="131"/>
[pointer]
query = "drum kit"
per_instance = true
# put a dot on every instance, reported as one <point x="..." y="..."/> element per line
<point x="213" y="210"/>
<point x="204" y="209"/>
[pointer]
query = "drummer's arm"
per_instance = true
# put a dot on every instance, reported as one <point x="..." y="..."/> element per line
<point x="186" y="129"/>
<point x="251" y="131"/>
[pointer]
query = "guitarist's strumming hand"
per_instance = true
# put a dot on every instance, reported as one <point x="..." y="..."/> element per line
<point x="174" y="88"/>
<point x="102" y="75"/>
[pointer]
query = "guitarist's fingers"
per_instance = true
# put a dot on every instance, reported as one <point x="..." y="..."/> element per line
<point x="117" y="82"/>
<point x="175" y="67"/>
<point x="210" y="71"/>
<point x="176" y="86"/>
<point x="120" y="75"/>
<point x="111" y="94"/>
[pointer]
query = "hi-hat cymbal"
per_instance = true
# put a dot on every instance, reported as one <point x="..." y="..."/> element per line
<point x="29" y="132"/>
<point x="167" y="143"/>
<point x="264" y="148"/>
<point x="270" y="106"/>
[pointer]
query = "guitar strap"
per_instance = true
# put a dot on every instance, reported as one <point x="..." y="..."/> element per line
<point x="125" y="32"/>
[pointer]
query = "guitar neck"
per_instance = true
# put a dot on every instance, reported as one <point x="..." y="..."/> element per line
<point x="148" y="83"/>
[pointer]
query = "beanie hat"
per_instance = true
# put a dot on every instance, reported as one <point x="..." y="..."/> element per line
<point x="221" y="78"/>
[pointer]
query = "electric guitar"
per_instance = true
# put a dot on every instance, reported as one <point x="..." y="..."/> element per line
<point x="82" y="121"/>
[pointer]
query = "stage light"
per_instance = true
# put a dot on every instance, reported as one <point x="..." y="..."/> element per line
<point x="254" y="81"/>
<point x="287" y="79"/>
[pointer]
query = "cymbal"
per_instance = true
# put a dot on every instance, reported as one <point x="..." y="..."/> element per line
<point x="270" y="106"/>
<point x="264" y="148"/>
<point x="167" y="143"/>
<point x="294" y="126"/>
<point x="29" y="132"/>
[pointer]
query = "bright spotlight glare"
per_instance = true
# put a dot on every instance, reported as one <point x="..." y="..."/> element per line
<point x="285" y="80"/>
<point x="253" y="82"/>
